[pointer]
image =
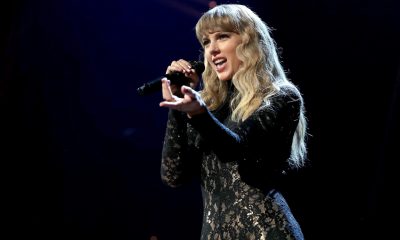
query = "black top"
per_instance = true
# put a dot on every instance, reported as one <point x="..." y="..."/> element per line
<point x="240" y="166"/>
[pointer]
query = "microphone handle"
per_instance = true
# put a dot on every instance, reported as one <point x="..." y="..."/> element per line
<point x="176" y="78"/>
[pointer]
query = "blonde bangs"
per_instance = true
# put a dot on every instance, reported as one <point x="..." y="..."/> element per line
<point x="216" y="20"/>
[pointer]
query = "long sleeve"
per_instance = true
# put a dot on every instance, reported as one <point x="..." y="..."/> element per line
<point x="180" y="159"/>
<point x="261" y="144"/>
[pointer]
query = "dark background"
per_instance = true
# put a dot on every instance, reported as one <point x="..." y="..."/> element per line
<point x="80" y="150"/>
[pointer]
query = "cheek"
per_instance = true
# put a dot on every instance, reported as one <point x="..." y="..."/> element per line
<point x="233" y="53"/>
<point x="208" y="58"/>
<point x="235" y="60"/>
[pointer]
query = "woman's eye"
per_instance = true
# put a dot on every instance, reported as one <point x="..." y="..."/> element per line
<point x="205" y="42"/>
<point x="223" y="36"/>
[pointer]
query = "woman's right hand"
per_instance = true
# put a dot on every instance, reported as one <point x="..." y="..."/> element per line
<point x="184" y="67"/>
<point x="191" y="102"/>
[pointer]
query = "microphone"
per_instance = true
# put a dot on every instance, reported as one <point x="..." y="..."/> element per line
<point x="177" y="78"/>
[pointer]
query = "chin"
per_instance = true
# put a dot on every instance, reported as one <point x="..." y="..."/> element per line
<point x="224" y="77"/>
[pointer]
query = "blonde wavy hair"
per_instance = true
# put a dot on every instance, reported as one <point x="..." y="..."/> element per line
<point x="260" y="75"/>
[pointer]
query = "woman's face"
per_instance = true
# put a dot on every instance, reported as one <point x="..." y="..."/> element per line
<point x="220" y="52"/>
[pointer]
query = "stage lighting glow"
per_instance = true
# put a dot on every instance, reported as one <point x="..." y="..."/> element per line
<point x="212" y="4"/>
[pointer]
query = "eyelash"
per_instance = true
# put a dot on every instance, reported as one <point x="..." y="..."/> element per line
<point x="220" y="36"/>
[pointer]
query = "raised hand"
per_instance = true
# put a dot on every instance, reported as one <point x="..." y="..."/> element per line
<point x="190" y="102"/>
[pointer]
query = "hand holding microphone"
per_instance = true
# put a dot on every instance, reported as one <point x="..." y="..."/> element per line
<point x="179" y="73"/>
<point x="181" y="97"/>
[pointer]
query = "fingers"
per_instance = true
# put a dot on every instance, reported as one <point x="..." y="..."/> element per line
<point x="179" y="66"/>
<point x="166" y="90"/>
<point x="186" y="99"/>
<point x="184" y="67"/>
<point x="188" y="92"/>
<point x="171" y="100"/>
<point x="191" y="103"/>
<point x="174" y="102"/>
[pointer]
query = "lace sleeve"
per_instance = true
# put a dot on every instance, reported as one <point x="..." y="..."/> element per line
<point x="180" y="159"/>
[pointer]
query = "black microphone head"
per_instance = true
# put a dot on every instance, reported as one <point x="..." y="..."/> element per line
<point x="198" y="66"/>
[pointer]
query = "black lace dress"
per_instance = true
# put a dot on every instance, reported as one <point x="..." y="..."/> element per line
<point x="240" y="167"/>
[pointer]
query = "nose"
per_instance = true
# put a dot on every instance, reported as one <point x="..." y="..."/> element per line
<point x="214" y="48"/>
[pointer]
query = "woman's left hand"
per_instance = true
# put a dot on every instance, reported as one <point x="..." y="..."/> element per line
<point x="191" y="102"/>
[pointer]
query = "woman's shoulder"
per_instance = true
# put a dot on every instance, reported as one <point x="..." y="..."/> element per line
<point x="289" y="92"/>
<point x="284" y="94"/>
<point x="287" y="96"/>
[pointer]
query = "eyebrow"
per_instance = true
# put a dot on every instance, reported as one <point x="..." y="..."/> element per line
<point x="216" y="32"/>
